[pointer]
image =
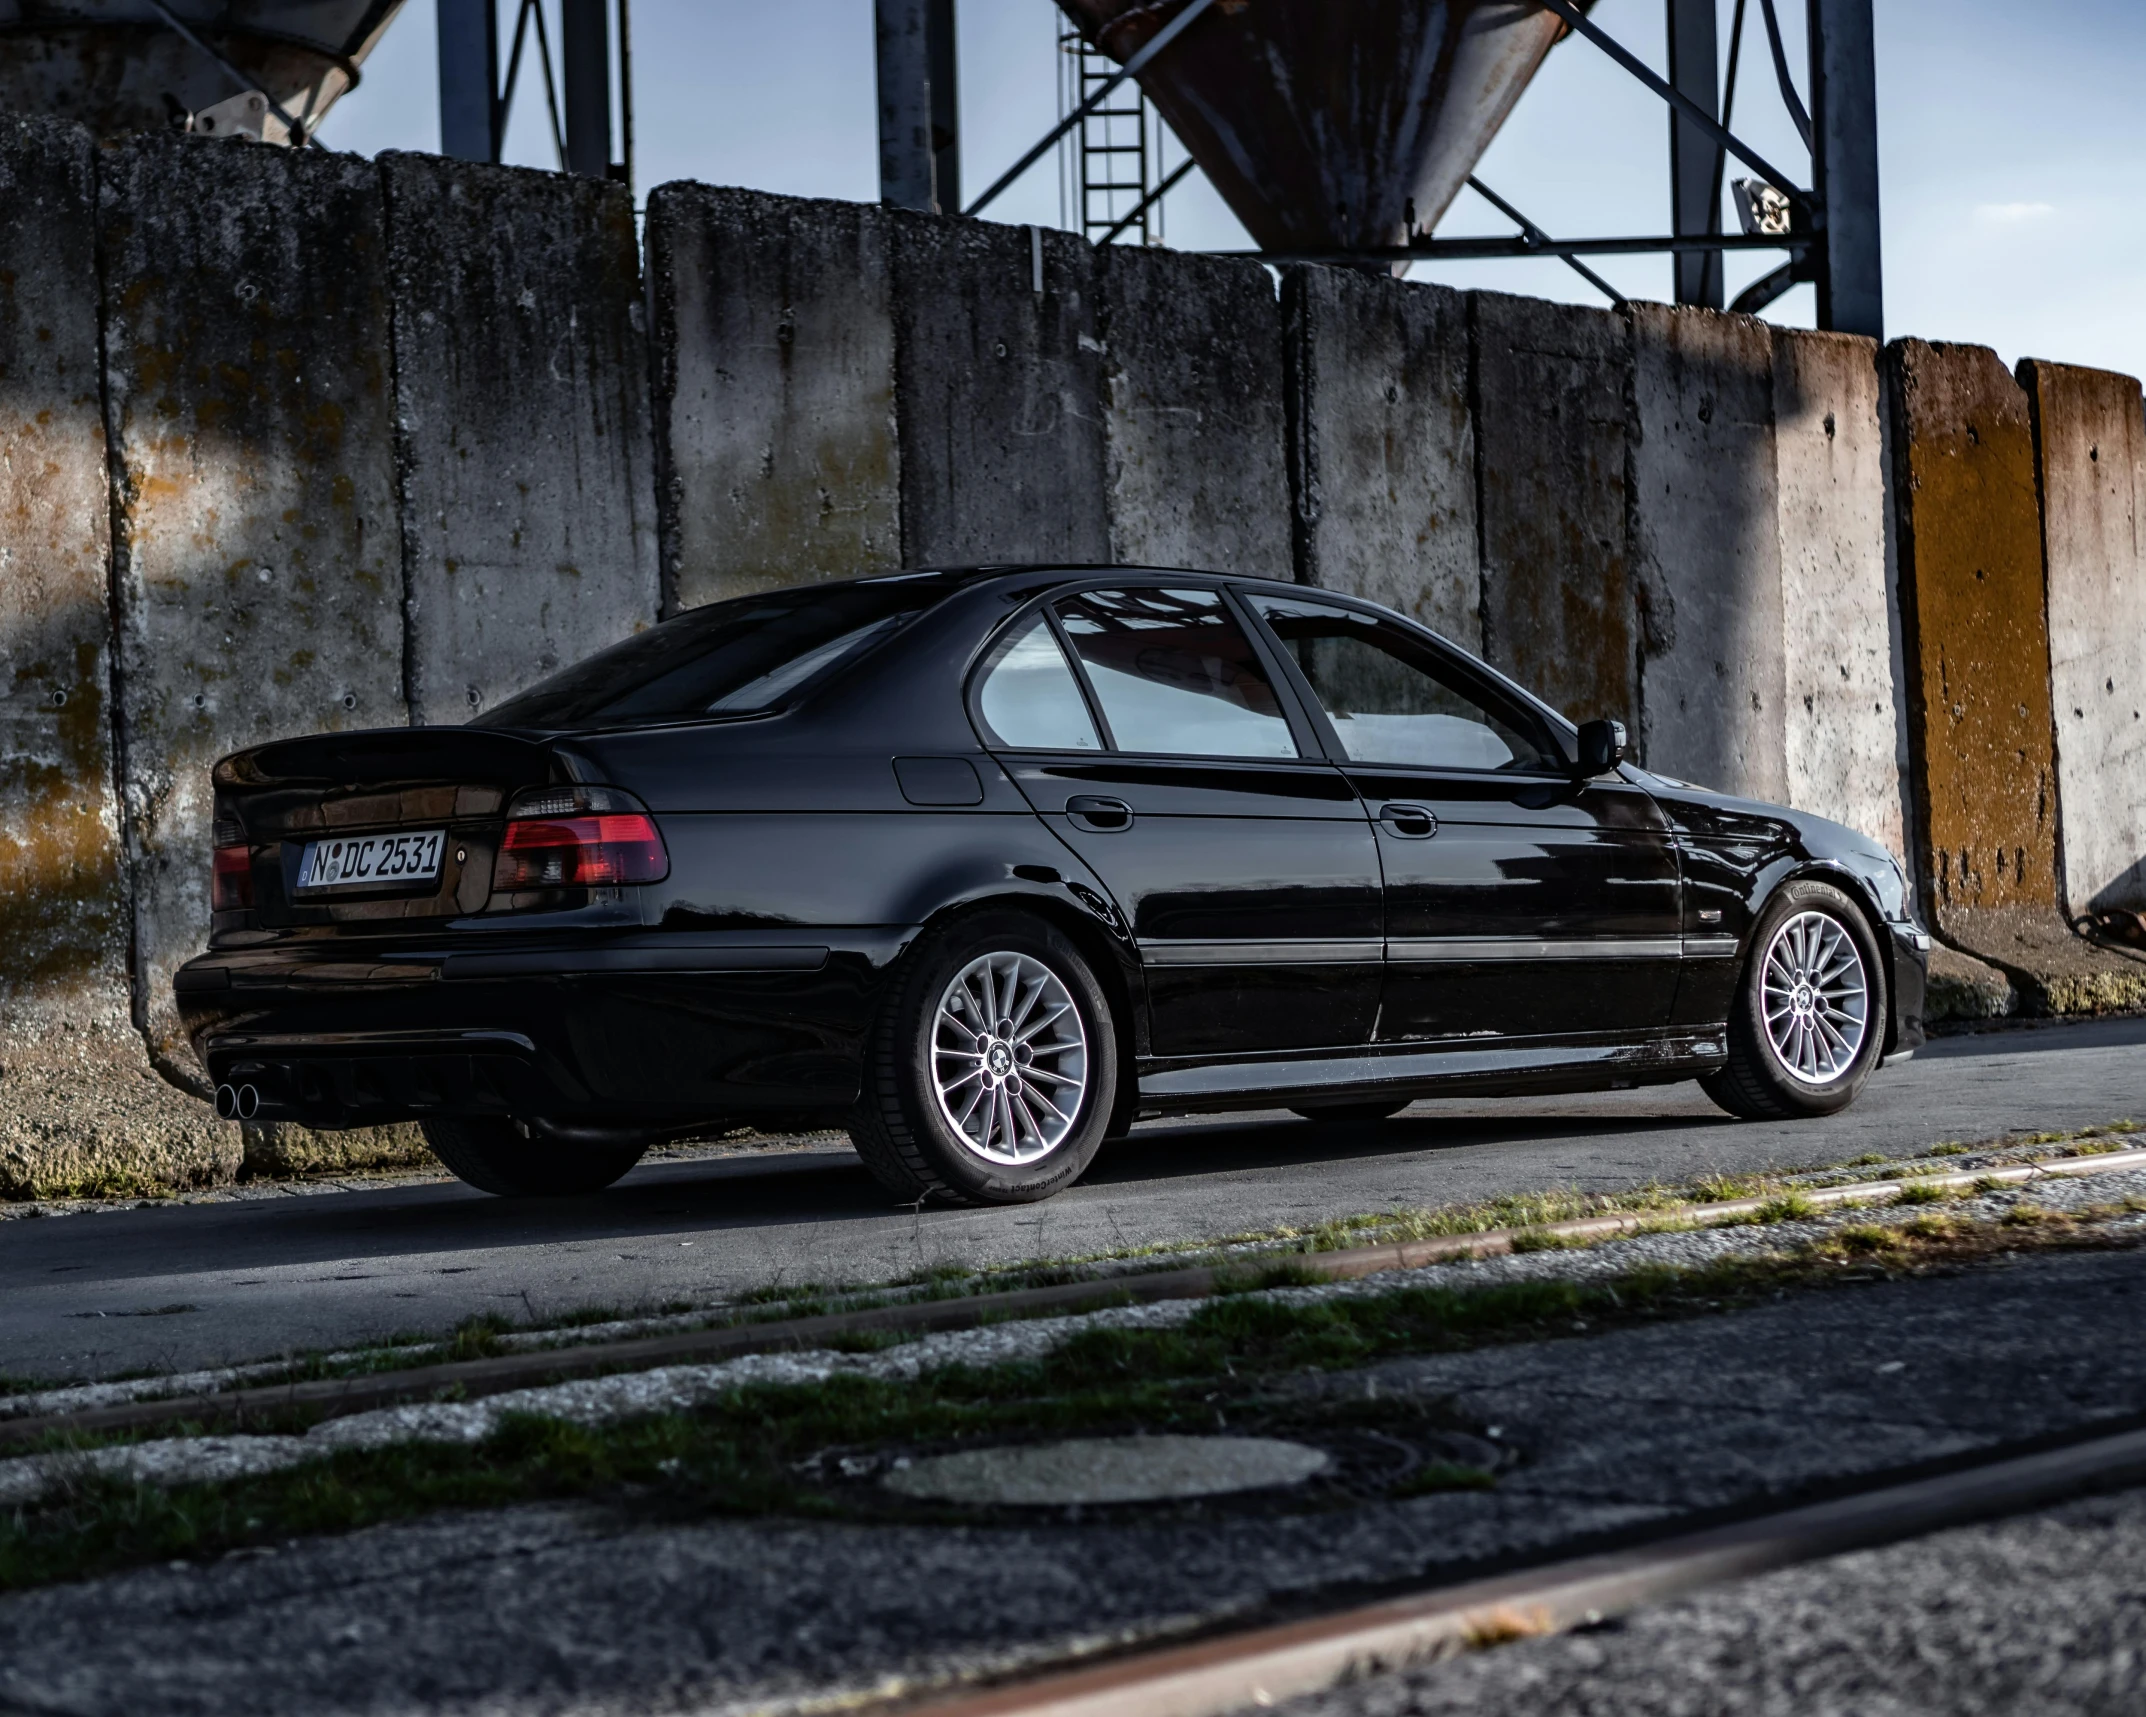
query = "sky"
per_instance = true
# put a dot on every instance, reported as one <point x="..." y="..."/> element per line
<point x="2012" y="145"/>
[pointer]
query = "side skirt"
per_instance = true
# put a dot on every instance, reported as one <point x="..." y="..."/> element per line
<point x="1413" y="1070"/>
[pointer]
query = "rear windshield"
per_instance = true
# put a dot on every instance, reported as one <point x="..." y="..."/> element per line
<point x="729" y="658"/>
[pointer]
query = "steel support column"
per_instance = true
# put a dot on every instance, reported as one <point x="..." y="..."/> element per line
<point x="469" y="79"/>
<point x="1694" y="157"/>
<point x="585" y="55"/>
<point x="919" y="133"/>
<point x="1844" y="151"/>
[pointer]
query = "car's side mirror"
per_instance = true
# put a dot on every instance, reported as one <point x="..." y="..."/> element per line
<point x="1602" y="746"/>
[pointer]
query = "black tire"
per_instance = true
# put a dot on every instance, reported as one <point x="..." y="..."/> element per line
<point x="494" y="1156"/>
<point x="1352" y="1114"/>
<point x="1756" y="1082"/>
<point x="905" y="1136"/>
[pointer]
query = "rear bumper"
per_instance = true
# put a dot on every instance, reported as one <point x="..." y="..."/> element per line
<point x="656" y="1032"/>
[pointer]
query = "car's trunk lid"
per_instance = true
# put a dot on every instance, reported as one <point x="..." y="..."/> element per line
<point x="401" y="823"/>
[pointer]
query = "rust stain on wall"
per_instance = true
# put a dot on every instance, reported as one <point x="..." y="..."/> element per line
<point x="1971" y="592"/>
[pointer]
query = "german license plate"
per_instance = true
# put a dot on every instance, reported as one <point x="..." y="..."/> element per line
<point x="372" y="860"/>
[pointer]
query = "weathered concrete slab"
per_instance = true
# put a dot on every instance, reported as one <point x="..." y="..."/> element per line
<point x="1192" y="401"/>
<point x="1558" y="607"/>
<point x="1706" y="550"/>
<point x="80" y="1105"/>
<point x="1977" y="644"/>
<point x="773" y="345"/>
<point x="257" y="566"/>
<point x="1384" y="444"/>
<point x="999" y="394"/>
<point x="1847" y="732"/>
<point x="521" y="393"/>
<point x="2090" y="444"/>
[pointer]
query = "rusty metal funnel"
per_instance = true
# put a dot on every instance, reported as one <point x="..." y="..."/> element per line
<point x="118" y="65"/>
<point x="1333" y="124"/>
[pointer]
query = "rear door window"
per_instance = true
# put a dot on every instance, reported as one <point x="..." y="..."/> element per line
<point x="1175" y="674"/>
<point x="1029" y="698"/>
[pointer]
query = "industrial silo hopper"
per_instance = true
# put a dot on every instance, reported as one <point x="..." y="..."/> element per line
<point x="1333" y="126"/>
<point x="124" y="65"/>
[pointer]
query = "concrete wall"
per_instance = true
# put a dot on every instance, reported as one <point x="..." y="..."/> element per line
<point x="998" y="394"/>
<point x="2090" y="447"/>
<point x="80" y="1104"/>
<point x="1195" y="472"/>
<point x="1706" y="549"/>
<point x="376" y="441"/>
<point x="1549" y="393"/>
<point x="1978" y="644"/>
<point x="1383" y="444"/>
<point x="257" y="564"/>
<point x="773" y="334"/>
<point x="528" y="518"/>
<point x="1846" y="738"/>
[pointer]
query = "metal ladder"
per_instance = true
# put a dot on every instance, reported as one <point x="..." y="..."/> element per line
<point x="1109" y="162"/>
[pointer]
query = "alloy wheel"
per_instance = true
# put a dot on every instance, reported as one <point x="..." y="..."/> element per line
<point x="1009" y="1058"/>
<point x="1816" y="997"/>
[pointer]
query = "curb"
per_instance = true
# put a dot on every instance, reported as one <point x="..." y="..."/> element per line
<point x="333" y="1397"/>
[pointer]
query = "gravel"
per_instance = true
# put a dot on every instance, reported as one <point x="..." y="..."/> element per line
<point x="681" y="1388"/>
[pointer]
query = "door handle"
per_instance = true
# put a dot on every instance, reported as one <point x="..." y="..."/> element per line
<point x="1099" y="816"/>
<point x="1409" y="822"/>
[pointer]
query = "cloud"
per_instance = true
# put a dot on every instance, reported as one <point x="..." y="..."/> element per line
<point x="2011" y="212"/>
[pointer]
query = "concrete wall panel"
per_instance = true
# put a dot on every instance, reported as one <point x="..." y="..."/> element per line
<point x="773" y="335"/>
<point x="80" y="1105"/>
<point x="258" y="562"/>
<point x="1846" y="739"/>
<point x="528" y="489"/>
<point x="1977" y="642"/>
<point x="2090" y="442"/>
<point x="1706" y="549"/>
<point x="999" y="394"/>
<point x="1384" y="445"/>
<point x="1192" y="389"/>
<point x="1549" y="393"/>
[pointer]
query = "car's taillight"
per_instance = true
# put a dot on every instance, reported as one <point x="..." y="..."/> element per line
<point x="578" y="837"/>
<point x="231" y="879"/>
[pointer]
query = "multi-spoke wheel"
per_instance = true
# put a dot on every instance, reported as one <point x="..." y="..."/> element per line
<point x="1816" y="997"/>
<point x="1808" y="1024"/>
<point x="1010" y="1060"/>
<point x="993" y="1072"/>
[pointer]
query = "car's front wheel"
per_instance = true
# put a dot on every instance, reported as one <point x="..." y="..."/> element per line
<point x="993" y="1070"/>
<point x="494" y="1155"/>
<point x="1808" y="1025"/>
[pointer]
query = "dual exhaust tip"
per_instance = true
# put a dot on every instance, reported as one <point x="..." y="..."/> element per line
<point x="237" y="1102"/>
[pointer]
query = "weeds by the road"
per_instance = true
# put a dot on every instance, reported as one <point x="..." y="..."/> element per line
<point x="754" y="1450"/>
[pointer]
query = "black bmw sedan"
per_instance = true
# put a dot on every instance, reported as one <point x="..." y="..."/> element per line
<point x="984" y="865"/>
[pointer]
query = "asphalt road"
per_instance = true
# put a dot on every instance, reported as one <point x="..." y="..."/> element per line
<point x="190" y="1285"/>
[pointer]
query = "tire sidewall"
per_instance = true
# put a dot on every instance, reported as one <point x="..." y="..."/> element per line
<point x="968" y="1176"/>
<point x="1789" y="900"/>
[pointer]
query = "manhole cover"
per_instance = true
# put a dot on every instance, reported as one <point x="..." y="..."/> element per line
<point x="1109" y="1469"/>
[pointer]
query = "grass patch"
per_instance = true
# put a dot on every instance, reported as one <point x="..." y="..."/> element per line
<point x="1920" y="1193"/>
<point x="1435" y="1476"/>
<point x="1950" y="1148"/>
<point x="754" y="1451"/>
